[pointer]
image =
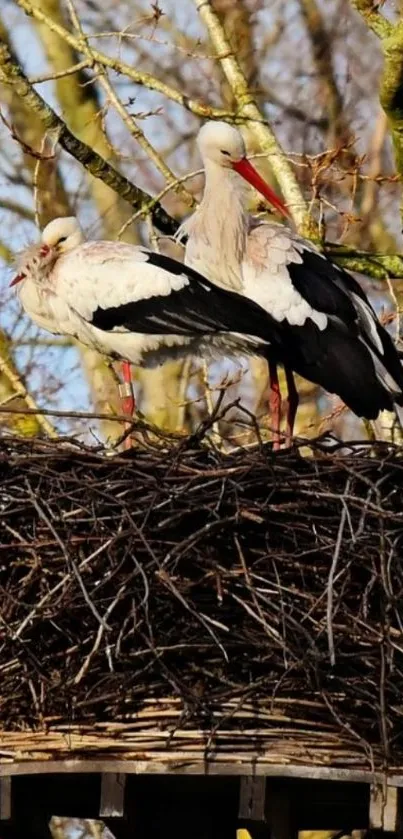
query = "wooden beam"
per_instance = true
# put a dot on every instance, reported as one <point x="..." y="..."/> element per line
<point x="193" y="766"/>
<point x="112" y="803"/>
<point x="5" y="798"/>
<point x="384" y="808"/>
<point x="252" y="798"/>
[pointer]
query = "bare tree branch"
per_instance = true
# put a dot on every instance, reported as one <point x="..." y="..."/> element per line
<point x="11" y="73"/>
<point x="127" y="118"/>
<point x="321" y="46"/>
<point x="379" y="25"/>
<point x="145" y="79"/>
<point x="248" y="108"/>
<point x="391" y="91"/>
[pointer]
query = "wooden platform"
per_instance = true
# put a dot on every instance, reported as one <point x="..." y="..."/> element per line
<point x="149" y="799"/>
<point x="255" y="769"/>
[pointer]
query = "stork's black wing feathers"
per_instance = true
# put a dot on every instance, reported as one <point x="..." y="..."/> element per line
<point x="339" y="362"/>
<point x="330" y="289"/>
<point x="325" y="286"/>
<point x="347" y="357"/>
<point x="340" y="358"/>
<point x="199" y="308"/>
<point x="184" y="312"/>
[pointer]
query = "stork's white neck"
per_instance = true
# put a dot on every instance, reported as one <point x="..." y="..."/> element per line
<point x="218" y="229"/>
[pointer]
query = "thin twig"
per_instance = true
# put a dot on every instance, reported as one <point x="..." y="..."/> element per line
<point x="330" y="585"/>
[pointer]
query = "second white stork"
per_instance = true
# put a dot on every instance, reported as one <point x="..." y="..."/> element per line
<point x="328" y="331"/>
<point x="131" y="303"/>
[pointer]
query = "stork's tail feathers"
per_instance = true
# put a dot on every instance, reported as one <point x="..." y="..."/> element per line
<point x="334" y="359"/>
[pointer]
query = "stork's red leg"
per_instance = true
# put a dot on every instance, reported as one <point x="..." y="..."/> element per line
<point x="292" y="405"/>
<point x="126" y="390"/>
<point x="275" y="403"/>
<point x="127" y="396"/>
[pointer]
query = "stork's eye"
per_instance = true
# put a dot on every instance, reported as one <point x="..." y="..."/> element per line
<point x="225" y="152"/>
<point x="62" y="239"/>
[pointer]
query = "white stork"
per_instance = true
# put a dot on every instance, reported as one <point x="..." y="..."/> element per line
<point x="328" y="331"/>
<point x="131" y="303"/>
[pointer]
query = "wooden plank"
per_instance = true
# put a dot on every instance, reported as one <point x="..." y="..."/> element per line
<point x="252" y="798"/>
<point x="5" y="798"/>
<point x="112" y="803"/>
<point x="194" y="767"/>
<point x="384" y="808"/>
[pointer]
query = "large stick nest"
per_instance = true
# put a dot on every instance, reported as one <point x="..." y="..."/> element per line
<point x="244" y="602"/>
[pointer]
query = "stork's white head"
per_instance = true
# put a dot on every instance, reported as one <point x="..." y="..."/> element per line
<point x="58" y="237"/>
<point x="62" y="235"/>
<point x="222" y="143"/>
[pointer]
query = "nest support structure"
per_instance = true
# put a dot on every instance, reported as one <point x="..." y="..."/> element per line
<point x="175" y="604"/>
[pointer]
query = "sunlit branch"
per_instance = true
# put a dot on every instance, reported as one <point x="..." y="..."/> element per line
<point x="11" y="73"/>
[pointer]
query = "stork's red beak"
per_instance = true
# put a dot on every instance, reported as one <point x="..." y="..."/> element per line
<point x="18" y="279"/>
<point x="249" y="173"/>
